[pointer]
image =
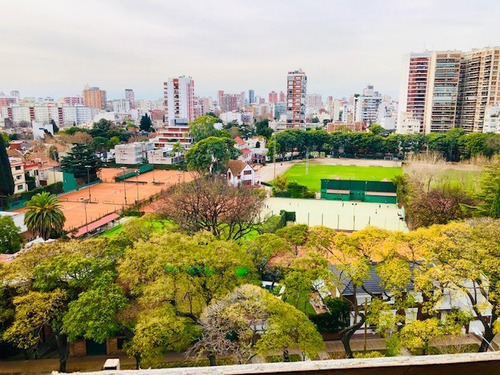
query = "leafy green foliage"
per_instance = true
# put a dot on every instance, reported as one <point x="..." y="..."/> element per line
<point x="44" y="216"/>
<point x="10" y="239"/>
<point x="6" y="180"/>
<point x="146" y="124"/>
<point x="79" y="160"/>
<point x="211" y="155"/>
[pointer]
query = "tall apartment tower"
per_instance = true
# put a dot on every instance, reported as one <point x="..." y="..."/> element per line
<point x="479" y="86"/>
<point x="93" y="97"/>
<point x="130" y="96"/>
<point x="449" y="89"/>
<point x="178" y="94"/>
<point x="296" y="99"/>
<point x="251" y="97"/>
<point x="273" y="97"/>
<point x="366" y="106"/>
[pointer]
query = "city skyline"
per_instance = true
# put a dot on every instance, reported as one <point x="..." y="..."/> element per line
<point x="228" y="45"/>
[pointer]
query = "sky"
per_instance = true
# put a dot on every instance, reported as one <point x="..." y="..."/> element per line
<point x="56" y="47"/>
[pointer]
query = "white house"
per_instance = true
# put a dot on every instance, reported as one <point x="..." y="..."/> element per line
<point x="240" y="173"/>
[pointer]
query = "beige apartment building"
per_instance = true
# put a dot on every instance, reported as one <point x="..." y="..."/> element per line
<point x="296" y="99"/>
<point x="448" y="89"/>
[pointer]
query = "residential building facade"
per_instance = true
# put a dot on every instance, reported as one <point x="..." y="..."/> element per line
<point x="296" y="99"/>
<point x="178" y="94"/>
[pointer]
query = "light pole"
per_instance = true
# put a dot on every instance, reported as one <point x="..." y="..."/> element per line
<point x="88" y="180"/>
<point x="137" y="184"/>
<point x="85" y="209"/>
<point x="124" y="186"/>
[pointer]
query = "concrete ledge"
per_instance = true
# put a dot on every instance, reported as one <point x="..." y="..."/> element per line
<point x="456" y="364"/>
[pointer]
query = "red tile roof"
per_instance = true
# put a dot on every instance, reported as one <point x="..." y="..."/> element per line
<point x="246" y="151"/>
<point x="96" y="224"/>
<point x="239" y="141"/>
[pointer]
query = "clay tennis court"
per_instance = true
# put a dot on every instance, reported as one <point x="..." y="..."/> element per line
<point x="110" y="196"/>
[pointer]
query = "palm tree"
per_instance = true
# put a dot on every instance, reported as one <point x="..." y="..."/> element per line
<point x="44" y="215"/>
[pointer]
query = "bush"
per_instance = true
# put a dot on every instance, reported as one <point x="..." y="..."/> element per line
<point x="56" y="188"/>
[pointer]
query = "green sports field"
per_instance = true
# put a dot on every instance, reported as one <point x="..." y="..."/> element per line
<point x="346" y="172"/>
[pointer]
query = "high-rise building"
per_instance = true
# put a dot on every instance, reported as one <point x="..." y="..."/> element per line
<point x="230" y="102"/>
<point x="448" y="89"/>
<point x="296" y="99"/>
<point x="314" y="102"/>
<point x="273" y="97"/>
<point x="281" y="97"/>
<point x="179" y="99"/>
<point x="93" y="97"/>
<point x="479" y="86"/>
<point x="251" y="97"/>
<point x="73" y="100"/>
<point x="366" y="106"/>
<point x="130" y="96"/>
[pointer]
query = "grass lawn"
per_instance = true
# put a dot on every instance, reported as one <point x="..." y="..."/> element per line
<point x="346" y="172"/>
<point x="158" y="226"/>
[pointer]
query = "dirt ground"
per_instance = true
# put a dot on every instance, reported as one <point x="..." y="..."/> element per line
<point x="108" y="197"/>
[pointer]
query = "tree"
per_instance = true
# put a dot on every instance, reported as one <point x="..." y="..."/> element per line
<point x="146" y="123"/>
<point x="203" y="127"/>
<point x="376" y="129"/>
<point x="262" y="249"/>
<point x="438" y="206"/>
<point x="417" y="335"/>
<point x="80" y="160"/>
<point x="10" y="239"/>
<point x="44" y="216"/>
<point x="262" y="128"/>
<point x="68" y="286"/>
<point x="6" y="179"/>
<point x="211" y="204"/>
<point x="464" y="258"/>
<point x="251" y="321"/>
<point x="489" y="196"/>
<point x="171" y="278"/>
<point x="210" y="155"/>
<point x="54" y="126"/>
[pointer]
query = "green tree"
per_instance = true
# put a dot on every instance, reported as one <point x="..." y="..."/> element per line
<point x="146" y="124"/>
<point x="376" y="129"/>
<point x="417" y="335"/>
<point x="80" y="159"/>
<point x="463" y="258"/>
<point x="10" y="239"/>
<point x="210" y="155"/>
<point x="179" y="275"/>
<point x="6" y="179"/>
<point x="489" y="195"/>
<point x="203" y="127"/>
<point x="262" y="128"/>
<point x="44" y="216"/>
<point x="71" y="289"/>
<point x="251" y="321"/>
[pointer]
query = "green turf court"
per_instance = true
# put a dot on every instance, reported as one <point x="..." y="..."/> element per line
<point x="346" y="172"/>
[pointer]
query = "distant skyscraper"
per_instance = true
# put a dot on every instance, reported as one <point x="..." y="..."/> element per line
<point x="93" y="97"/>
<point x="251" y="97"/>
<point x="273" y="97"/>
<point x="282" y="97"/>
<point x="296" y="98"/>
<point x="130" y="96"/>
<point x="366" y="105"/>
<point x="179" y="99"/>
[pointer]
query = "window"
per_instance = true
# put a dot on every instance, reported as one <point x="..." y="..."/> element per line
<point x="18" y="168"/>
<point x="19" y="187"/>
<point x="246" y="173"/>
